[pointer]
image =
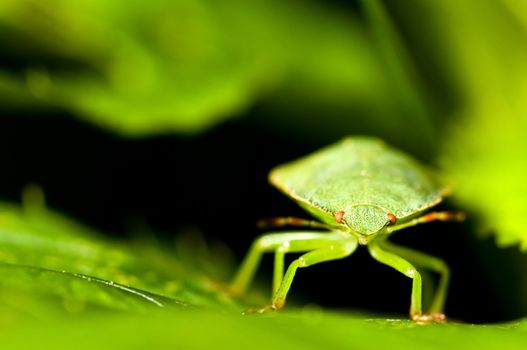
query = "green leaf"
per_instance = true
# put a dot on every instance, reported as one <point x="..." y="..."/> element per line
<point x="44" y="252"/>
<point x="386" y="99"/>
<point x="160" y="66"/>
<point x="298" y="330"/>
<point x="78" y="289"/>
<point x="484" y="147"/>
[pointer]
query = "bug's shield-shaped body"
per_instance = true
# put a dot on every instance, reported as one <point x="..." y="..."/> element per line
<point x="363" y="178"/>
<point x="361" y="190"/>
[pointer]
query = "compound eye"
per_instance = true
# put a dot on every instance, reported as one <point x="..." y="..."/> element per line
<point x="339" y="216"/>
<point x="392" y="218"/>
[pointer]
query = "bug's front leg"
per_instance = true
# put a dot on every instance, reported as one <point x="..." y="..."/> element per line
<point x="405" y="268"/>
<point x="337" y="250"/>
<point x="428" y="262"/>
<point x="280" y="243"/>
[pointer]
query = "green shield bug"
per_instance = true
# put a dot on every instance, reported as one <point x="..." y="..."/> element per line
<point x="360" y="190"/>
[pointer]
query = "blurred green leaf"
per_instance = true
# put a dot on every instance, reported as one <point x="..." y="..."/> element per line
<point x="388" y="100"/>
<point x="45" y="252"/>
<point x="484" y="147"/>
<point x="160" y="66"/>
<point x="78" y="289"/>
<point x="305" y="330"/>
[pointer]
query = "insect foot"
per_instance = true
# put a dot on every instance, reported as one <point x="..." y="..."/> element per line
<point x="261" y="310"/>
<point x="435" y="317"/>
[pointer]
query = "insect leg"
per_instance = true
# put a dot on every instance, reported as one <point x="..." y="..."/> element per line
<point x="432" y="216"/>
<point x="406" y="269"/>
<point x="337" y="250"/>
<point x="278" y="273"/>
<point x="283" y="242"/>
<point x="300" y="245"/>
<point x="428" y="262"/>
<point x="290" y="221"/>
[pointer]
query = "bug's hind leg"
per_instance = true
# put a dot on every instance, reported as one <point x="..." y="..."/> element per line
<point x="337" y="250"/>
<point x="431" y="263"/>
<point x="280" y="243"/>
